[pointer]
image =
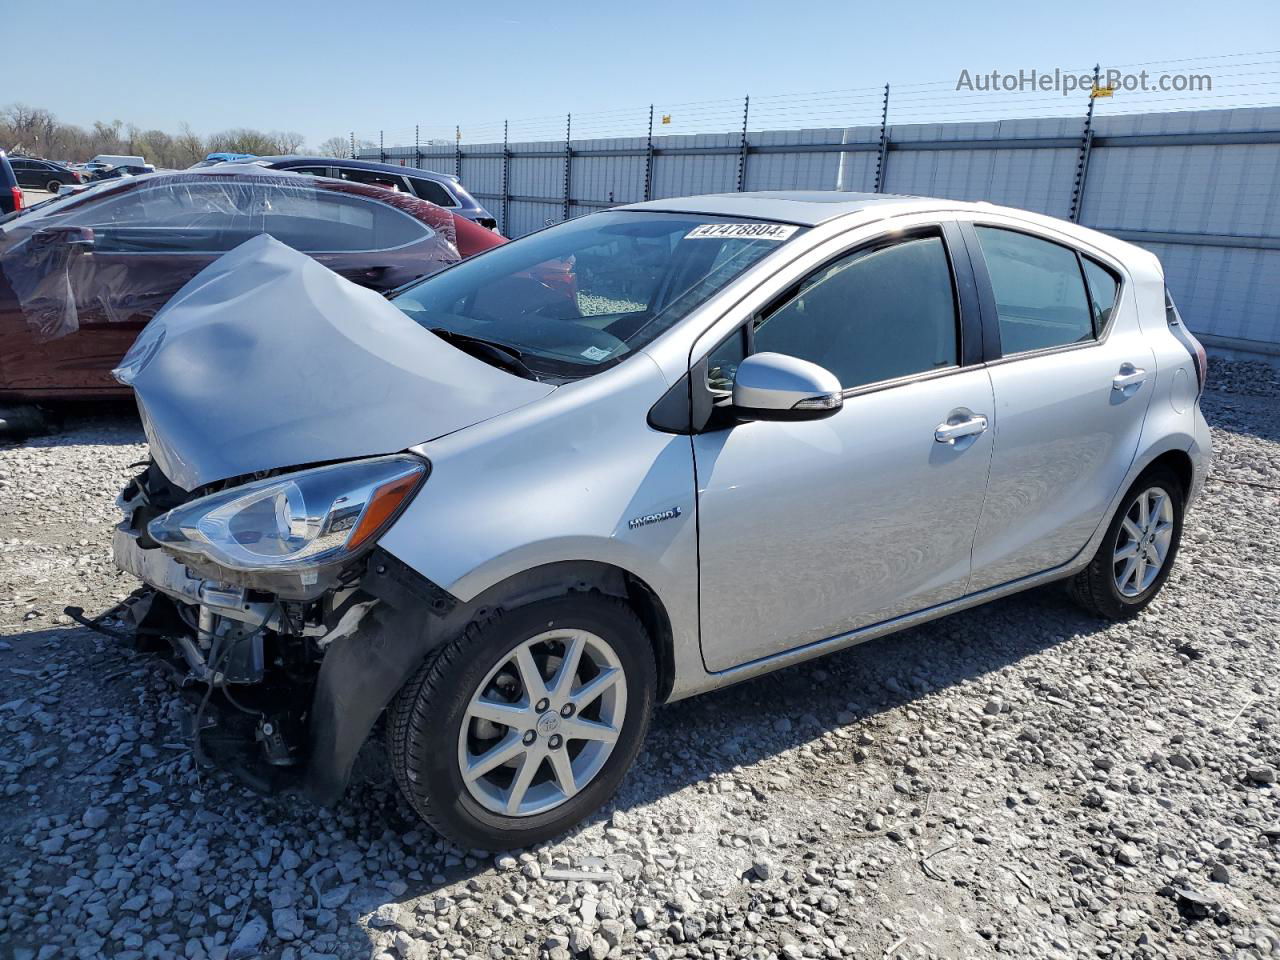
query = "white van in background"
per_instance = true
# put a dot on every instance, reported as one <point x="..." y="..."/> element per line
<point x="114" y="160"/>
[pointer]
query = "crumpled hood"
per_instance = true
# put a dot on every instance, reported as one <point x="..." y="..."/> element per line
<point x="267" y="359"/>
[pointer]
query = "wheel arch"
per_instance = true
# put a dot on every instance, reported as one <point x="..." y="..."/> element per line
<point x="361" y="673"/>
<point x="565" y="576"/>
<point x="1178" y="462"/>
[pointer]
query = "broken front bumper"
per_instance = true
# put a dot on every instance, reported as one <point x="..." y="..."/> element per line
<point x="159" y="570"/>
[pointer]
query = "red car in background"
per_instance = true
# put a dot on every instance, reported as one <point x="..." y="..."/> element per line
<point x="82" y="274"/>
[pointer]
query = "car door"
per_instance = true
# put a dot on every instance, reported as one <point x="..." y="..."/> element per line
<point x="23" y="170"/>
<point x="1072" y="376"/>
<point x="810" y="530"/>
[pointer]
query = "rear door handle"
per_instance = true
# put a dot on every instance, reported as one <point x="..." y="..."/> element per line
<point x="1129" y="376"/>
<point x="951" y="432"/>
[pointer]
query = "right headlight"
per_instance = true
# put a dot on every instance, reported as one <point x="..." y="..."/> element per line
<point x="296" y="521"/>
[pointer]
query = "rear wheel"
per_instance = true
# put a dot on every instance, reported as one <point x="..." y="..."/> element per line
<point x="53" y="186"/>
<point x="1137" y="553"/>
<point x="526" y="723"/>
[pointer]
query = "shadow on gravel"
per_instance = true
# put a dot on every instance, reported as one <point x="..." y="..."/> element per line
<point x="112" y="421"/>
<point x="752" y="721"/>
<point x="696" y="739"/>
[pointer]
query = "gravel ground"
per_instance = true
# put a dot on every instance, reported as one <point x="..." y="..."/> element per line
<point x="1019" y="780"/>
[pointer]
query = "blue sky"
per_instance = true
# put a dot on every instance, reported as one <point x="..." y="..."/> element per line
<point x="326" y="68"/>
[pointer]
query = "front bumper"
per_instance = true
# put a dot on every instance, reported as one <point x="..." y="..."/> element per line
<point x="157" y="569"/>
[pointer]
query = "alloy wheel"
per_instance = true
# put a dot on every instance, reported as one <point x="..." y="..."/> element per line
<point x="1142" y="542"/>
<point x="542" y="724"/>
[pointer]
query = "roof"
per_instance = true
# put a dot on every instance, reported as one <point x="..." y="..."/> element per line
<point x="355" y="164"/>
<point x="805" y="207"/>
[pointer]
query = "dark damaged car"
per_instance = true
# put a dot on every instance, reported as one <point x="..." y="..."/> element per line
<point x="81" y="275"/>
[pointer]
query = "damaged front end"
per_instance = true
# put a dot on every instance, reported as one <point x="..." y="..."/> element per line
<point x="266" y="591"/>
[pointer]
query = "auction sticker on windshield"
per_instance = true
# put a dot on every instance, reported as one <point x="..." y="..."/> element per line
<point x="741" y="231"/>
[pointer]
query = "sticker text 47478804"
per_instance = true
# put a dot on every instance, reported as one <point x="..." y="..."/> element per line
<point x="741" y="231"/>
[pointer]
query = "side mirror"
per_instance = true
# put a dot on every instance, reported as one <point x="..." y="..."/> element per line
<point x="773" y="386"/>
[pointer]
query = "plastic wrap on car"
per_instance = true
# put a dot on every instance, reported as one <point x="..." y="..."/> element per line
<point x="54" y="294"/>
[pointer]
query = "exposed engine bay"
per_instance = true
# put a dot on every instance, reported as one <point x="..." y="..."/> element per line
<point x="248" y="659"/>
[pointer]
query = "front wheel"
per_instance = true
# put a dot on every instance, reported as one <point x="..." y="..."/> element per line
<point x="526" y="723"/>
<point x="1137" y="553"/>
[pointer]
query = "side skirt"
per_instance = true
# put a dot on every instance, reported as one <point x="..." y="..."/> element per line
<point x="819" y="648"/>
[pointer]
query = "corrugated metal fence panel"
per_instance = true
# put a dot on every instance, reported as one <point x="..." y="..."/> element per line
<point x="684" y="175"/>
<point x="1034" y="179"/>
<point x="483" y="175"/>
<point x="608" y="179"/>
<point x="537" y="176"/>
<point x="1224" y="291"/>
<point x="813" y="171"/>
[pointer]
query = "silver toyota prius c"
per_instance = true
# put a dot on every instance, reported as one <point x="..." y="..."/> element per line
<point x="635" y="456"/>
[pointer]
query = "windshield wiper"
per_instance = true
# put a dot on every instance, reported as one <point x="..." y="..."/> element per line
<point x="499" y="354"/>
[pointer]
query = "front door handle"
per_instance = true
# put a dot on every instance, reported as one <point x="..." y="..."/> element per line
<point x="1129" y="376"/>
<point x="951" y="432"/>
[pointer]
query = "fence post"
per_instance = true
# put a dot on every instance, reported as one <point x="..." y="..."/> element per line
<point x="417" y="150"/>
<point x="648" y="160"/>
<point x="568" y="161"/>
<point x="742" y="146"/>
<point x="1086" y="145"/>
<point x="883" y="157"/>
<point x="382" y="148"/>
<point x="506" y="182"/>
<point x="353" y="144"/>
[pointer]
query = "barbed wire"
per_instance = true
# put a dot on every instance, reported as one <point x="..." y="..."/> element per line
<point x="1242" y="79"/>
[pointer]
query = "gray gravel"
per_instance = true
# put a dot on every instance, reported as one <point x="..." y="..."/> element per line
<point x="1019" y="780"/>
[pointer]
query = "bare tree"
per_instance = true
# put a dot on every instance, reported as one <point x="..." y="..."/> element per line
<point x="335" y="147"/>
<point x="288" y="141"/>
<point x="36" y="131"/>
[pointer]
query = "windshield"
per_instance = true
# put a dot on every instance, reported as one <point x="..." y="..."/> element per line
<point x="585" y="294"/>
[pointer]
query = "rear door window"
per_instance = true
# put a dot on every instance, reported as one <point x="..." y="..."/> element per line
<point x="376" y="178"/>
<point x="1041" y="299"/>
<point x="432" y="192"/>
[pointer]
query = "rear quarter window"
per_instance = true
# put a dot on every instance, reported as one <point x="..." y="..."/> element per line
<point x="432" y="192"/>
<point x="1104" y="286"/>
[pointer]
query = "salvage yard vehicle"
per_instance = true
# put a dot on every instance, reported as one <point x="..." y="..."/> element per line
<point x="11" y="198"/>
<point x="80" y="275"/>
<point x="443" y="189"/>
<point x="37" y="174"/>
<point x="755" y="429"/>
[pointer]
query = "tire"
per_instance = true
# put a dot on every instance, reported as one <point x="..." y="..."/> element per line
<point x="1096" y="587"/>
<point x="53" y="186"/>
<point x="427" y="720"/>
<point x="20" y="422"/>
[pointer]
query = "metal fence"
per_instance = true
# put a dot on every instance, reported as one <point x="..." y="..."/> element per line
<point x="1199" y="187"/>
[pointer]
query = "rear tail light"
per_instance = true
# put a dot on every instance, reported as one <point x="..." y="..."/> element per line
<point x="79" y="179"/>
<point x="18" y="200"/>
<point x="1187" y="339"/>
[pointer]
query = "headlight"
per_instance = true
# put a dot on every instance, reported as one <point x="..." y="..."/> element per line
<point x="296" y="521"/>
